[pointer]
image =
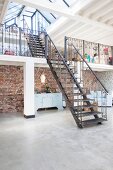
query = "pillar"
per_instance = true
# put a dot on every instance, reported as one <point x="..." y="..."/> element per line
<point x="29" y="89"/>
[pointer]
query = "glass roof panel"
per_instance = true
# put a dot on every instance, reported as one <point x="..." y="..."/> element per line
<point x="29" y="11"/>
<point x="70" y="2"/>
<point x="50" y="16"/>
<point x="63" y="3"/>
<point x="14" y="9"/>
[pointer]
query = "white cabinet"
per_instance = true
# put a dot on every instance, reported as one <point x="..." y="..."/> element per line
<point x="47" y="100"/>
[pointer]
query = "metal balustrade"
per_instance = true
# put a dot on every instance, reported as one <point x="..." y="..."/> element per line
<point x="13" y="41"/>
<point x="87" y="78"/>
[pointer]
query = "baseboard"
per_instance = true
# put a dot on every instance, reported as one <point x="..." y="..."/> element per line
<point x="29" y="116"/>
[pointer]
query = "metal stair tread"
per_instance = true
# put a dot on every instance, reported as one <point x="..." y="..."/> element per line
<point x="84" y="106"/>
<point x="38" y="51"/>
<point x="74" y="94"/>
<point x="85" y="113"/>
<point x="83" y="100"/>
<point x="92" y="121"/>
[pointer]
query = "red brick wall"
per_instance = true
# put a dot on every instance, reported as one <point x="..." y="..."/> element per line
<point x="49" y="79"/>
<point x="11" y="87"/>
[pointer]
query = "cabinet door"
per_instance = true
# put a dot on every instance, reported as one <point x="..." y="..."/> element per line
<point x="57" y="100"/>
<point x="38" y="101"/>
<point x="47" y="101"/>
<point x="54" y="100"/>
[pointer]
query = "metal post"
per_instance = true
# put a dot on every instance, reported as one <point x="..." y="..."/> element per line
<point x="46" y="46"/>
<point x="20" y="43"/>
<point x="112" y="54"/>
<point x="65" y="48"/>
<point x="32" y="24"/>
<point x="83" y="47"/>
<point x="23" y="23"/>
<point x="99" y="52"/>
<point x="2" y="39"/>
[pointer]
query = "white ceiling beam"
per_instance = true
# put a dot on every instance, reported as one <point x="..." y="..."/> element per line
<point x="47" y="6"/>
<point x="60" y="27"/>
<point x="4" y="10"/>
<point x="92" y="22"/>
<point x="75" y="33"/>
<point x="92" y="34"/>
<point x="99" y="4"/>
<point x="103" y="11"/>
<point x="88" y="21"/>
<point x="57" y="25"/>
<point x="103" y="34"/>
<point x="66" y="28"/>
<point x="86" y="32"/>
<point x="80" y="31"/>
<point x="77" y="27"/>
<point x="80" y="5"/>
<point x="110" y="22"/>
<point x="105" y="18"/>
<point x="107" y="41"/>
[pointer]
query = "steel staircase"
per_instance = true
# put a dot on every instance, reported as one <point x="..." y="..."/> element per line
<point x="36" y="48"/>
<point x="68" y="73"/>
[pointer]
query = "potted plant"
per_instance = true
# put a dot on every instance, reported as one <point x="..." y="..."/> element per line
<point x="47" y="88"/>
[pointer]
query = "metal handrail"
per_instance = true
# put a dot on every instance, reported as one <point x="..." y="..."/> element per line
<point x="90" y="68"/>
<point x="71" y="74"/>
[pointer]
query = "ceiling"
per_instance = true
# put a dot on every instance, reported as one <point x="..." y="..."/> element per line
<point x="91" y="20"/>
<point x="1" y="4"/>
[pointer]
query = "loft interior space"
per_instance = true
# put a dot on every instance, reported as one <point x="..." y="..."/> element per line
<point x="56" y="84"/>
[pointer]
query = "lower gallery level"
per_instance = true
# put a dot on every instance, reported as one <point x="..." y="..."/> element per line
<point x="15" y="80"/>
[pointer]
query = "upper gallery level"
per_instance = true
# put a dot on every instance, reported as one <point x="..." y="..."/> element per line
<point x="13" y="42"/>
<point x="20" y="18"/>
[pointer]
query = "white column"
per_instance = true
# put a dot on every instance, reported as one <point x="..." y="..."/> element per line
<point x="29" y="89"/>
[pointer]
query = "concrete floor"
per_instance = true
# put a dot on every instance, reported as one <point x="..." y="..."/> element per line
<point x="52" y="141"/>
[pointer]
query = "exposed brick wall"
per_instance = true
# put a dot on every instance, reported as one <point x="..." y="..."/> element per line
<point x="11" y="87"/>
<point x="49" y="80"/>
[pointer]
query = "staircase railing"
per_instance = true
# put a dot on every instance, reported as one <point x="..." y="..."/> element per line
<point x="73" y="91"/>
<point x="62" y="74"/>
<point x="87" y="78"/>
<point x="31" y="37"/>
<point x="90" y="69"/>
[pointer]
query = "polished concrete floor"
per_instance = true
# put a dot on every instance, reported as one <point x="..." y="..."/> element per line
<point x="52" y="141"/>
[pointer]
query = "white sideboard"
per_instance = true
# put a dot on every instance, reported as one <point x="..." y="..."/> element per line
<point x="47" y="100"/>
